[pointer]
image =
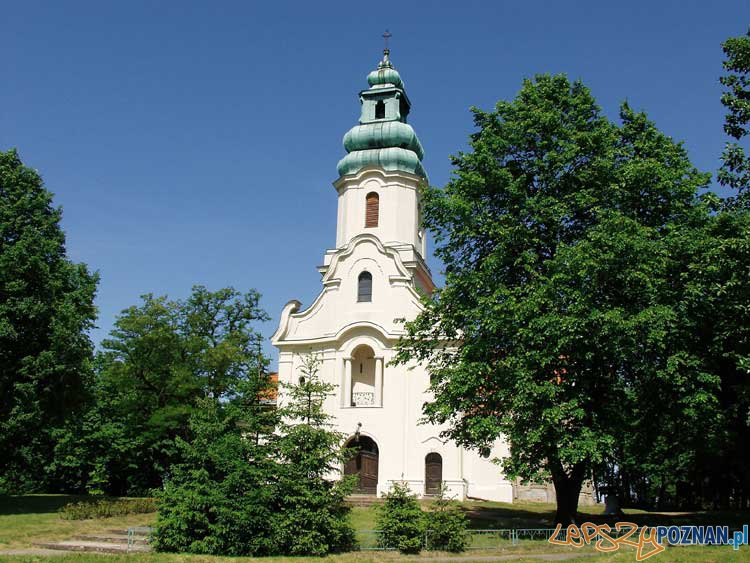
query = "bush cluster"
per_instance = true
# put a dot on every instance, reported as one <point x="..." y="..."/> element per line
<point x="106" y="508"/>
<point x="256" y="483"/>
<point x="404" y="526"/>
<point x="446" y="525"/>
<point x="400" y="522"/>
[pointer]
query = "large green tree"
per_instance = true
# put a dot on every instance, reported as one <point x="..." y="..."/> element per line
<point x="714" y="261"/>
<point x="720" y="291"/>
<point x="220" y="498"/>
<point x="46" y="311"/>
<point x="717" y="301"/>
<point x="560" y="317"/>
<point x="160" y="359"/>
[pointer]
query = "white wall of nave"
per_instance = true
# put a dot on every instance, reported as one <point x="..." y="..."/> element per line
<point x="396" y="427"/>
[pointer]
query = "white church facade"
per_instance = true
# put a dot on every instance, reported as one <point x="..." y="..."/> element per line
<point x="370" y="281"/>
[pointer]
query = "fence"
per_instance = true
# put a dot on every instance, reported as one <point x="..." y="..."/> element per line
<point x="367" y="540"/>
<point x="476" y="539"/>
<point x="139" y="534"/>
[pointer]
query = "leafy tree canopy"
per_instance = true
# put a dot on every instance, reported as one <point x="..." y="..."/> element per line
<point x="220" y="498"/>
<point x="162" y="357"/>
<point x="560" y="317"/>
<point x="46" y="311"/>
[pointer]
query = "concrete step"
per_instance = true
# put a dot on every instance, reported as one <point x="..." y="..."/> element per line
<point x="93" y="546"/>
<point x="363" y="500"/>
<point x="111" y="538"/>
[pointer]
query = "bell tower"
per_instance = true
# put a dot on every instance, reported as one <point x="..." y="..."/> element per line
<point x="381" y="175"/>
<point x="371" y="280"/>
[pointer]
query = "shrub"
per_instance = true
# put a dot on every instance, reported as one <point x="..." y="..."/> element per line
<point x="217" y="502"/>
<point x="311" y="517"/>
<point x="400" y="521"/>
<point x="106" y="508"/>
<point x="446" y="525"/>
<point x="256" y="484"/>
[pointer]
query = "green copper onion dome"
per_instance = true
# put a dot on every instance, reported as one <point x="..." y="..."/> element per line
<point x="383" y="135"/>
<point x="383" y="138"/>
<point x="385" y="77"/>
<point x="385" y="74"/>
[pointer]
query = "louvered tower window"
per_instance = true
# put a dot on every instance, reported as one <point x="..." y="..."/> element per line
<point x="372" y="210"/>
<point x="364" y="287"/>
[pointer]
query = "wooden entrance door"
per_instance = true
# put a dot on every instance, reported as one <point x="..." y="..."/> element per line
<point x="433" y="474"/>
<point x="364" y="464"/>
<point x="368" y="473"/>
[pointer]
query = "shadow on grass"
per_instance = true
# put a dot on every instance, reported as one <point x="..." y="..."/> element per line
<point x="501" y="517"/>
<point x="492" y="516"/>
<point x="733" y="519"/>
<point x="34" y="504"/>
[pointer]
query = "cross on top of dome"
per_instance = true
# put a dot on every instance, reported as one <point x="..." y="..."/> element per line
<point x="386" y="62"/>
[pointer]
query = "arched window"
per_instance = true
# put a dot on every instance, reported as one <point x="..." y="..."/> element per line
<point x="380" y="109"/>
<point x="372" y="210"/>
<point x="364" y="287"/>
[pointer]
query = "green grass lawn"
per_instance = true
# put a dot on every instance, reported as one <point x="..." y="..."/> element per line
<point x="35" y="518"/>
<point x="674" y="555"/>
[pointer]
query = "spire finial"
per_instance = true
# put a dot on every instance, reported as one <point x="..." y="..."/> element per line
<point x="386" y="62"/>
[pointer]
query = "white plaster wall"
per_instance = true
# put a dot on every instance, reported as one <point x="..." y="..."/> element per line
<point x="398" y="207"/>
<point x="402" y="440"/>
<point x="336" y="324"/>
<point x="487" y="480"/>
<point x="337" y="308"/>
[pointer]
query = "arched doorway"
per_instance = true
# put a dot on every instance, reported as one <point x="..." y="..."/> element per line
<point x="364" y="464"/>
<point x="433" y="474"/>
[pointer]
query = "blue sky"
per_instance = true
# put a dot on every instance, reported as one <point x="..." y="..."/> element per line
<point x="196" y="142"/>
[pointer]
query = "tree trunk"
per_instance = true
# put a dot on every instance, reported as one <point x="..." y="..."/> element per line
<point x="567" y="490"/>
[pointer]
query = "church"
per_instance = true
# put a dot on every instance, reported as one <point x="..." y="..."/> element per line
<point x="372" y="280"/>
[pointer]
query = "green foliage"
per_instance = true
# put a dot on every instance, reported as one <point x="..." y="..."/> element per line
<point x="220" y="499"/>
<point x="244" y="489"/>
<point x="735" y="169"/>
<point x="312" y="517"/>
<point x="717" y="297"/>
<point x="46" y="311"/>
<point x="563" y="236"/>
<point x="446" y="525"/>
<point x="400" y="521"/>
<point x="162" y="357"/>
<point x="107" y="508"/>
<point x="720" y="291"/>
